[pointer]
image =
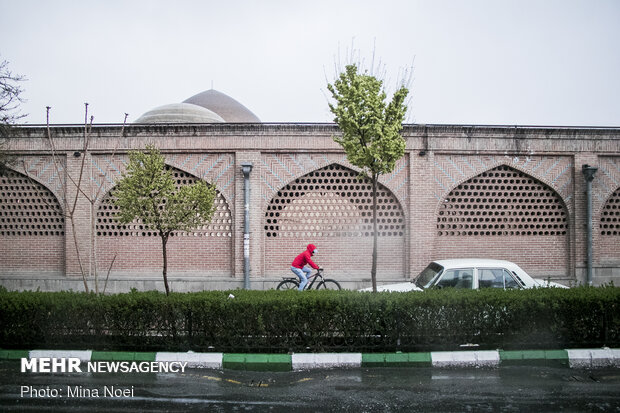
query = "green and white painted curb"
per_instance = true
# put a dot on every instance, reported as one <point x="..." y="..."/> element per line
<point x="573" y="358"/>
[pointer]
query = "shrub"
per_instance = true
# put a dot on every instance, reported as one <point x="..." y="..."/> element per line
<point x="285" y="321"/>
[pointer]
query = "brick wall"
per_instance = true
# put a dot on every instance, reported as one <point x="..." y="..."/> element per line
<point x="32" y="226"/>
<point x="195" y="256"/>
<point x="439" y="163"/>
<point x="42" y="255"/>
<point x="538" y="255"/>
<point x="606" y="207"/>
<point x="343" y="258"/>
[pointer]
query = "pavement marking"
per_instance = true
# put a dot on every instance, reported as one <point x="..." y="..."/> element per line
<point x="304" y="361"/>
<point x="465" y="358"/>
<point x="592" y="358"/>
<point x="574" y="358"/>
<point x="305" y="379"/>
<point x="212" y="378"/>
<point x="194" y="360"/>
<point x="534" y="357"/>
<point x="83" y="355"/>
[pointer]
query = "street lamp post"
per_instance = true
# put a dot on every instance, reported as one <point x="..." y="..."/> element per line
<point x="588" y="173"/>
<point x="246" y="168"/>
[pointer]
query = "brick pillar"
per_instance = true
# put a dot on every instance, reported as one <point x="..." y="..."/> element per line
<point x="256" y="232"/>
<point x="81" y="219"/>
<point x="421" y="211"/>
<point x="580" y="228"/>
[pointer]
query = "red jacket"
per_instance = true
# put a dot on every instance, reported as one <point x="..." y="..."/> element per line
<point x="304" y="258"/>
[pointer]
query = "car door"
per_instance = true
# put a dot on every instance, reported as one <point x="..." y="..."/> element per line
<point x="496" y="278"/>
<point x="461" y="278"/>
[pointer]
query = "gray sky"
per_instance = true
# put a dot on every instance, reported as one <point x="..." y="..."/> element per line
<point x="522" y="62"/>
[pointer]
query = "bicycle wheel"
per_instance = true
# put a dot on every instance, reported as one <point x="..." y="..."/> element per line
<point x="329" y="285"/>
<point x="288" y="285"/>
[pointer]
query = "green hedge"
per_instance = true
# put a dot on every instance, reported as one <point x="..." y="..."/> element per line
<point x="283" y="321"/>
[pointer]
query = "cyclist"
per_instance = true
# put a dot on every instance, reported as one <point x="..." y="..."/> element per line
<point x="298" y="265"/>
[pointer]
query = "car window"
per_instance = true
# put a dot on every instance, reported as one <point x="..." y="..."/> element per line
<point x="427" y="275"/>
<point x="495" y="278"/>
<point x="520" y="282"/>
<point x="457" y="278"/>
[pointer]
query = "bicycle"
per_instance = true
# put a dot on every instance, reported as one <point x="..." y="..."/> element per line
<point x="290" y="283"/>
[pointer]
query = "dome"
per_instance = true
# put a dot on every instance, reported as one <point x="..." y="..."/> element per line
<point x="180" y="113"/>
<point x="225" y="106"/>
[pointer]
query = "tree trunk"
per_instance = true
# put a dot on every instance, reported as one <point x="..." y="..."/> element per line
<point x="93" y="249"/>
<point x="77" y="252"/>
<point x="373" y="271"/>
<point x="164" y="241"/>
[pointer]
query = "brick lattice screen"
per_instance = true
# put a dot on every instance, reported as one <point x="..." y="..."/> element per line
<point x="610" y="216"/>
<point x="504" y="202"/>
<point x="27" y="208"/>
<point x="332" y="202"/>
<point x="220" y="225"/>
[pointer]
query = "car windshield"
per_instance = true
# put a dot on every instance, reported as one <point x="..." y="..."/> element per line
<point x="428" y="275"/>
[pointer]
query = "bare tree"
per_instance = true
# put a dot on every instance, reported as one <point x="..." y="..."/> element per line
<point x="10" y="100"/>
<point x="84" y="189"/>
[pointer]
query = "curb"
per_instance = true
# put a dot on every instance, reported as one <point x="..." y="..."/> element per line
<point x="572" y="358"/>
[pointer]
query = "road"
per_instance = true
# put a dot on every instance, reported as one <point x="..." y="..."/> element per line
<point x="507" y="389"/>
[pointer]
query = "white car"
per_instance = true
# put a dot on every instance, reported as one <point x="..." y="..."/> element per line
<point x="470" y="273"/>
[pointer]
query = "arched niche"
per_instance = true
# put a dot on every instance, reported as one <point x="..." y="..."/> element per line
<point x="135" y="248"/>
<point x="332" y="208"/>
<point x="504" y="213"/>
<point x="32" y="226"/>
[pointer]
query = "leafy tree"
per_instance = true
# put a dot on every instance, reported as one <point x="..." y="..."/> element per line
<point x="147" y="192"/>
<point x="9" y="104"/>
<point x="370" y="130"/>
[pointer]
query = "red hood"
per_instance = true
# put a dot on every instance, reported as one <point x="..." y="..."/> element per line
<point x="311" y="248"/>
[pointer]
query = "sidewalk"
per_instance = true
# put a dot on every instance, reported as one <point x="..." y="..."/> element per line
<point x="572" y="358"/>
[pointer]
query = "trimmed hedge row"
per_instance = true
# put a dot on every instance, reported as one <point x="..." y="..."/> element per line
<point x="284" y="321"/>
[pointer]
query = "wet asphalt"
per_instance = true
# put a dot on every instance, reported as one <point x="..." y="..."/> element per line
<point x="505" y="389"/>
